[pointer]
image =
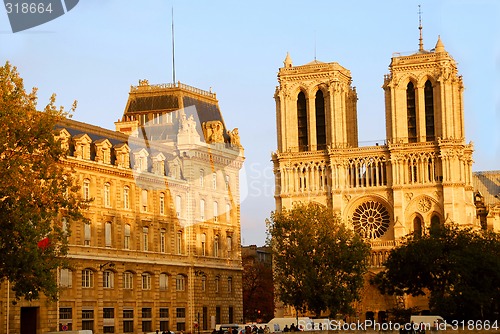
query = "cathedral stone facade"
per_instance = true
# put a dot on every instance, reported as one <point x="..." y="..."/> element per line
<point x="420" y="175"/>
<point x="161" y="248"/>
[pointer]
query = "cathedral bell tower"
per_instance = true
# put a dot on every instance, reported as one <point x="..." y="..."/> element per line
<point x="423" y="94"/>
<point x="315" y="107"/>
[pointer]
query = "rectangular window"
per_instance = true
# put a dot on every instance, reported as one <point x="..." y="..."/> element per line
<point x="126" y="204"/>
<point x="145" y="239"/>
<point x="88" y="320"/>
<point x="128" y="321"/>
<point x="87" y="234"/>
<point x="217" y="315"/>
<point x="147" y="314"/>
<point x="216" y="211"/>
<point x="144" y="200"/>
<point x="202" y="177"/>
<point x="108" y="313"/>
<point x="181" y="318"/>
<point x="163" y="282"/>
<point x="227" y="182"/>
<point x="66" y="278"/>
<point x="65" y="319"/>
<point x="230" y="285"/>
<point x="205" y="318"/>
<point x="231" y="314"/>
<point x="65" y="313"/>
<point x="178" y="206"/>
<point x="87" y="278"/>
<point x="126" y="240"/>
<point x="178" y="243"/>
<point x="164" y="313"/>
<point x="127" y="280"/>
<point x="107" y="234"/>
<point x="214" y="181"/>
<point x="108" y="279"/>
<point x="163" y="242"/>
<point x="202" y="209"/>
<point x="146" y="281"/>
<point x="162" y="204"/>
<point x="107" y="195"/>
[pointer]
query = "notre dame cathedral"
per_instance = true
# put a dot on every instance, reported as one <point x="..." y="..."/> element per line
<point x="421" y="175"/>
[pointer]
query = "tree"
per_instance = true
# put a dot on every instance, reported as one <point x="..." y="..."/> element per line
<point x="258" y="290"/>
<point x="36" y="191"/>
<point x="319" y="263"/>
<point x="458" y="267"/>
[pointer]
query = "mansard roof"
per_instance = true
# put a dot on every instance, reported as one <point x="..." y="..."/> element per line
<point x="488" y="185"/>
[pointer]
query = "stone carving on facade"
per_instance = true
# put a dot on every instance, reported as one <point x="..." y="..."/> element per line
<point x="213" y="132"/>
<point x="408" y="196"/>
<point x="234" y="137"/>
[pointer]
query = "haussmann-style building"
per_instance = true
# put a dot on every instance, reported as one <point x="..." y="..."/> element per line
<point x="161" y="249"/>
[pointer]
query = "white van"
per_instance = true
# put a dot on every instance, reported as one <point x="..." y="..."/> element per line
<point x="430" y="321"/>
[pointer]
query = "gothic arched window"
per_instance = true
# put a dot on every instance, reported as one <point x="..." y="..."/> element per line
<point x="429" y="111"/>
<point x="320" y="121"/>
<point x="302" y="122"/>
<point x="417" y="226"/>
<point x="411" y="113"/>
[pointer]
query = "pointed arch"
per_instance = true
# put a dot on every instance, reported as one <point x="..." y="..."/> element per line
<point x="429" y="111"/>
<point x="411" y="112"/>
<point x="320" y="120"/>
<point x="302" y="121"/>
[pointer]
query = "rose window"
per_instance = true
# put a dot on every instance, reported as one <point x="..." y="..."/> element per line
<point x="371" y="219"/>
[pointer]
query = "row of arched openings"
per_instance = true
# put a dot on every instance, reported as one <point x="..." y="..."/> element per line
<point x="302" y="122"/>
<point x="411" y="109"/>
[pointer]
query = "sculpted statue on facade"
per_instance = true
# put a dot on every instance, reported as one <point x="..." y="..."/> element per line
<point x="234" y="137"/>
<point x="213" y="132"/>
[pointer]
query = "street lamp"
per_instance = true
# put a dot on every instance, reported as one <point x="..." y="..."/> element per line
<point x="109" y="263"/>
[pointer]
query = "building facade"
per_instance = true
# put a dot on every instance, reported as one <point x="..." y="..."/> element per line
<point x="420" y="175"/>
<point x="161" y="248"/>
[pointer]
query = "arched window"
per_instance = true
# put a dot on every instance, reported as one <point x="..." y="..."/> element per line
<point x="108" y="279"/>
<point x="435" y="224"/>
<point x="180" y="283"/>
<point x="146" y="281"/>
<point x="411" y="113"/>
<point x="302" y="121"/>
<point x="87" y="278"/>
<point x="320" y="121"/>
<point x="128" y="279"/>
<point x="417" y="226"/>
<point x="429" y="111"/>
<point x="163" y="281"/>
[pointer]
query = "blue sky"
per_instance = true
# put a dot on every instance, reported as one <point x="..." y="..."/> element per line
<point x="101" y="47"/>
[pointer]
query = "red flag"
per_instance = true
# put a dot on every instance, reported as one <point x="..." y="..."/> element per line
<point x="44" y="243"/>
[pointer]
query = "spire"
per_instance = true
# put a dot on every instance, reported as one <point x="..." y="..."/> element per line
<point x="439" y="45"/>
<point x="421" y="39"/>
<point x="288" y="60"/>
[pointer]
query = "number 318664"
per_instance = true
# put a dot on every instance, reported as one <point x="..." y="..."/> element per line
<point x="28" y="8"/>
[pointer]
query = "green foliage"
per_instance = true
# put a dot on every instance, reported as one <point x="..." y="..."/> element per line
<point x="459" y="268"/>
<point x="35" y="193"/>
<point x="318" y="263"/>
